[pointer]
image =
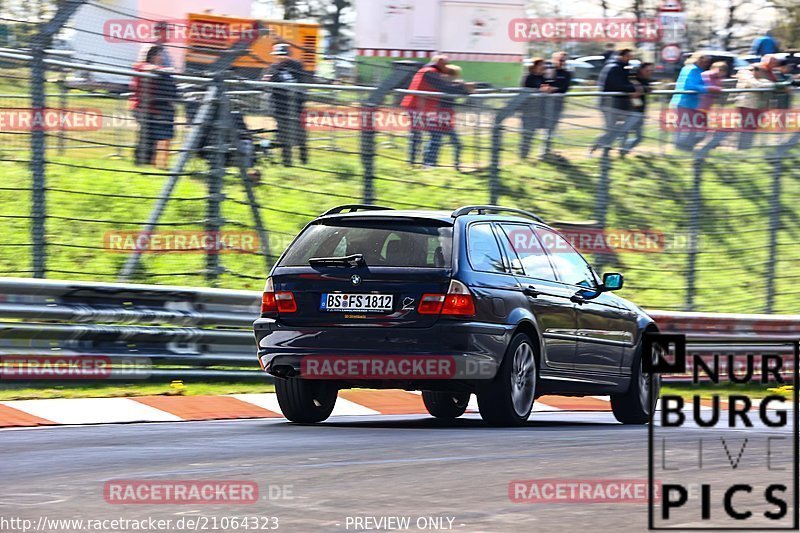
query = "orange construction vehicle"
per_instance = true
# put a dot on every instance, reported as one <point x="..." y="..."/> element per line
<point x="208" y="34"/>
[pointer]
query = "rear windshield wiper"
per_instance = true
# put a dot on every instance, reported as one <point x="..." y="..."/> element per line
<point x="347" y="260"/>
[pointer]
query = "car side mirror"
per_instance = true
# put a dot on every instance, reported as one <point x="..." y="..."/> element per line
<point x="612" y="281"/>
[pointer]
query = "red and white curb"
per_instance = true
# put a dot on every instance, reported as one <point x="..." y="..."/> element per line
<point x="22" y="413"/>
<point x="359" y="402"/>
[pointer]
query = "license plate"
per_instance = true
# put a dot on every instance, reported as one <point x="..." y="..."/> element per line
<point x="368" y="303"/>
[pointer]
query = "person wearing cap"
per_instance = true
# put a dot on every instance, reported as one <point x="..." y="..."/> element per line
<point x="287" y="103"/>
<point x="752" y="104"/>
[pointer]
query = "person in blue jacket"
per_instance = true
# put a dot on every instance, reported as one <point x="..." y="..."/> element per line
<point x="688" y="105"/>
<point x="765" y="44"/>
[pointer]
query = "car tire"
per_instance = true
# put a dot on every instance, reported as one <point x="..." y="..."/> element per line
<point x="445" y="405"/>
<point x="508" y="400"/>
<point x="305" y="401"/>
<point x="634" y="405"/>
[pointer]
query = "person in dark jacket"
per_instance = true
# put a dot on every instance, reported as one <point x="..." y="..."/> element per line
<point x="288" y="103"/>
<point x="448" y="115"/>
<point x="558" y="77"/>
<point x="162" y="93"/>
<point x="616" y="109"/>
<point x="633" y="129"/>
<point x="533" y="112"/>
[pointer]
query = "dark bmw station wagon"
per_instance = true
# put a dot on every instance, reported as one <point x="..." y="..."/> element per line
<point x="484" y="300"/>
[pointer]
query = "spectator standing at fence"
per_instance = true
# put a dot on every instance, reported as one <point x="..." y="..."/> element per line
<point x="423" y="109"/>
<point x="634" y="135"/>
<point x="608" y="53"/>
<point x="139" y="103"/>
<point x="160" y="38"/>
<point x="713" y="79"/>
<point x="288" y="103"/>
<point x="533" y="111"/>
<point x="752" y="104"/>
<point x="162" y="93"/>
<point x="558" y="77"/>
<point x="687" y="105"/>
<point x="786" y="82"/>
<point x="616" y="109"/>
<point x="765" y="44"/>
<point x="448" y="113"/>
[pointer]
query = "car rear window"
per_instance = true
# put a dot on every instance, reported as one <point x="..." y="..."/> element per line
<point x="390" y="244"/>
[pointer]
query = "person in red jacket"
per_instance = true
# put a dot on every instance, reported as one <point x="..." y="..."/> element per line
<point x="424" y="111"/>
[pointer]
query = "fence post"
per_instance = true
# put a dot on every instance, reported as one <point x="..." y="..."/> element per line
<point x="368" y="151"/>
<point x="512" y="107"/>
<point x="602" y="196"/>
<point x="216" y="176"/>
<point x="774" y="227"/>
<point x="695" y="208"/>
<point x="40" y="43"/>
<point x="399" y="77"/>
<point x="62" y="104"/>
<point x="38" y="207"/>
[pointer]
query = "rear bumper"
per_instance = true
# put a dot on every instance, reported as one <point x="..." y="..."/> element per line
<point x="383" y="357"/>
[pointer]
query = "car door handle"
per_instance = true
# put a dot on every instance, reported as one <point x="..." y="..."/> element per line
<point x="530" y="290"/>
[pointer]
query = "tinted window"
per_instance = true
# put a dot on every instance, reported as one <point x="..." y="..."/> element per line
<point x="516" y="264"/>
<point x="484" y="253"/>
<point x="570" y="265"/>
<point x="527" y="247"/>
<point x="381" y="244"/>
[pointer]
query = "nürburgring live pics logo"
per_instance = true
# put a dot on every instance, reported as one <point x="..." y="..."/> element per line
<point x="724" y="460"/>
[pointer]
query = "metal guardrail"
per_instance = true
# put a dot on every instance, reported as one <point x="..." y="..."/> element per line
<point x="156" y="332"/>
<point x="159" y="332"/>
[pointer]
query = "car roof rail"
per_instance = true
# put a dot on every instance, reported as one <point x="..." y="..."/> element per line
<point x="482" y="209"/>
<point x="352" y="208"/>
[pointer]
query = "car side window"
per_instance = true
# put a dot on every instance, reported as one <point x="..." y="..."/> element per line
<point x="527" y="247"/>
<point x="483" y="250"/>
<point x="572" y="268"/>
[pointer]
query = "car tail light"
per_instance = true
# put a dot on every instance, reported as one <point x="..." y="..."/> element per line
<point x="457" y="302"/>
<point x="430" y="304"/>
<point x="273" y="302"/>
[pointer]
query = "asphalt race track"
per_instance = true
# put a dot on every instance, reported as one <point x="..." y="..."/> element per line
<point x="377" y="466"/>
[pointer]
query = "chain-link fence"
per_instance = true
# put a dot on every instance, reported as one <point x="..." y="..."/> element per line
<point x="205" y="179"/>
